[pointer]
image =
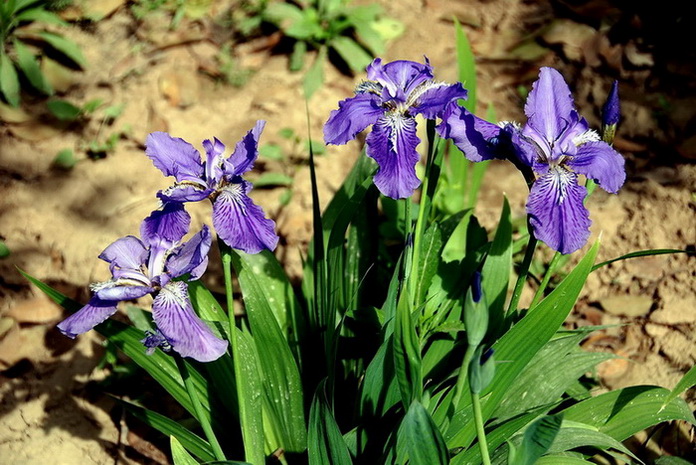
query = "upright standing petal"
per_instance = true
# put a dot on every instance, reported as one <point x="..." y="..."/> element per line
<point x="549" y="105"/>
<point x="353" y="116"/>
<point x="598" y="161"/>
<point x="400" y="77"/>
<point x="89" y="316"/>
<point x="392" y="144"/>
<point x="556" y="211"/>
<point x="170" y="223"/>
<point x="245" y="152"/>
<point x="241" y="223"/>
<point x="183" y="329"/>
<point x="192" y="257"/>
<point x="174" y="157"/>
<point x="125" y="253"/>
<point x="213" y="162"/>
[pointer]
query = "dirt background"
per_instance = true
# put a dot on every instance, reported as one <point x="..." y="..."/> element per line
<point x="55" y="222"/>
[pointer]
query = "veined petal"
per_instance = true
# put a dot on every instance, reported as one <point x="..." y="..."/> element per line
<point x="188" y="335"/>
<point x="126" y="253"/>
<point x="121" y="289"/>
<point x="392" y="144"/>
<point x="400" y="77"/>
<point x="174" y="156"/>
<point x="598" y="161"/>
<point x="184" y="192"/>
<point x="431" y="98"/>
<point x="89" y="316"/>
<point x="469" y="133"/>
<point x="241" y="223"/>
<point x="170" y="223"/>
<point x="192" y="257"/>
<point x="549" y="105"/>
<point x="353" y="116"/>
<point x="213" y="164"/>
<point x="245" y="152"/>
<point x="556" y="211"/>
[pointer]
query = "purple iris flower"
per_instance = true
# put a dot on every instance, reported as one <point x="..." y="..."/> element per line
<point x="556" y="144"/>
<point x="389" y="101"/>
<point x="238" y="221"/>
<point x="150" y="266"/>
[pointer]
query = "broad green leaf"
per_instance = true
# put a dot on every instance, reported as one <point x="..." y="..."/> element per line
<point x="687" y="381"/>
<point x="41" y="15"/>
<point x="206" y="305"/>
<point x="194" y="443"/>
<point x="380" y="391"/>
<point x="297" y="59"/>
<point x="424" y="441"/>
<point x="64" y="110"/>
<point x="29" y="65"/>
<point x="569" y="438"/>
<point x="282" y="12"/>
<point x="9" y="81"/>
<point x="250" y="407"/>
<point x="67" y="47"/>
<point x="537" y="439"/>
<point x="352" y="53"/>
<point x="466" y="63"/>
<point x="314" y="78"/>
<point x="271" y="151"/>
<point x="431" y="249"/>
<point x="325" y="444"/>
<point x="407" y="357"/>
<point x="180" y="456"/>
<point x="272" y="180"/>
<point x="519" y="345"/>
<point x="624" y="412"/>
<point x="496" y="270"/>
<point x="370" y="37"/>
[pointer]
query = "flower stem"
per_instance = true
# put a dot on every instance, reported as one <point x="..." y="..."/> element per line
<point x="198" y="408"/>
<point x="524" y="270"/>
<point x="539" y="294"/>
<point x="463" y="375"/>
<point x="480" y="432"/>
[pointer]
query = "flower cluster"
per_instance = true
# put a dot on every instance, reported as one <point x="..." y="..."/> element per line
<point x="159" y="263"/>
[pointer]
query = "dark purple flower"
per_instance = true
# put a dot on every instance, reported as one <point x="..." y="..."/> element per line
<point x="389" y="101"/>
<point x="239" y="222"/>
<point x="611" y="111"/>
<point x="150" y="265"/>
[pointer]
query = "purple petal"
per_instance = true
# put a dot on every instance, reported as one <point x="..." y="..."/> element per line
<point x="353" y="116"/>
<point x="245" y="152"/>
<point x="126" y="253"/>
<point x="89" y="316"/>
<point x="121" y="289"/>
<point x="214" y="161"/>
<point x="549" y="105"/>
<point x="170" y="223"/>
<point x="185" y="193"/>
<point x="469" y="133"/>
<point x="192" y="257"/>
<point x="240" y="223"/>
<point x="611" y="111"/>
<point x="435" y="97"/>
<point x="188" y="335"/>
<point x="556" y="211"/>
<point x="174" y="157"/>
<point x="598" y="161"/>
<point x="392" y="143"/>
<point x="400" y="77"/>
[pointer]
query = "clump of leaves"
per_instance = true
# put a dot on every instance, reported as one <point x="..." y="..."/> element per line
<point x="24" y="40"/>
<point x="353" y="34"/>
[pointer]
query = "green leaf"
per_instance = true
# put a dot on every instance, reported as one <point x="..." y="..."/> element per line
<point x="272" y="180"/>
<point x="671" y="461"/>
<point x="431" y="248"/>
<point x="92" y="105"/>
<point x="64" y="110"/>
<point x="537" y="439"/>
<point x="496" y="270"/>
<point x="271" y="151"/>
<point x="687" y="381"/>
<point x="407" y="357"/>
<point x="30" y="67"/>
<point x="557" y="459"/>
<point x="466" y="63"/>
<point x="65" y="159"/>
<point x="9" y="81"/>
<point x="581" y="436"/>
<point x="351" y="52"/>
<point x="250" y="409"/>
<point x="424" y="441"/>
<point x="641" y="253"/>
<point x="297" y="59"/>
<point x="4" y="250"/>
<point x="113" y="111"/>
<point x="67" y="47"/>
<point x="325" y="444"/>
<point x="180" y="456"/>
<point x="315" y="75"/>
<point x="41" y="15"/>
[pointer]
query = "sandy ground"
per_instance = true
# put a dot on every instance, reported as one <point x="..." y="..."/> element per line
<point x="56" y="222"/>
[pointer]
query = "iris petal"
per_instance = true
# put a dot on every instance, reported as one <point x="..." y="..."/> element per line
<point x="597" y="160"/>
<point x="432" y="98"/>
<point x="213" y="164"/>
<point x="126" y="253"/>
<point x="353" y="116"/>
<point x="89" y="316"/>
<point x="121" y="289"/>
<point x="174" y="157"/>
<point x="556" y="211"/>
<point x="469" y="133"/>
<point x="392" y="144"/>
<point x="400" y="77"/>
<point x="549" y="105"/>
<point x="170" y="223"/>
<point x="192" y="257"/>
<point x="245" y="152"/>
<point x="188" y="335"/>
<point x="241" y="223"/>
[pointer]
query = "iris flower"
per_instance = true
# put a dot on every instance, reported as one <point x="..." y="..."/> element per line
<point x="150" y="266"/>
<point x="557" y="145"/>
<point x="238" y="221"/>
<point x="389" y="101"/>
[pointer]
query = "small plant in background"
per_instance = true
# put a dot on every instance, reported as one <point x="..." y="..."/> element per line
<point x="24" y="40"/>
<point x="355" y="34"/>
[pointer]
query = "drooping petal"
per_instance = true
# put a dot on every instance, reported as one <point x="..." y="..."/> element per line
<point x="556" y="211"/>
<point x="170" y="223"/>
<point x="549" y="105"/>
<point x="598" y="161"/>
<point x="174" y="156"/>
<point x="431" y="98"/>
<point x="184" y="192"/>
<point x="125" y="253"/>
<point x="241" y="223"/>
<point x="89" y="316"/>
<point x="392" y="144"/>
<point x="353" y="116"/>
<point x="213" y="164"/>
<point x="191" y="256"/>
<point x="400" y="77"/>
<point x="471" y="135"/>
<point x="245" y="152"/>
<point x="187" y="334"/>
<point x="121" y="289"/>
